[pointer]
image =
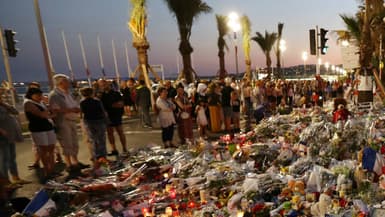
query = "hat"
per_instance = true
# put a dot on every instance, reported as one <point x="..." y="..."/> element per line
<point x="60" y="76"/>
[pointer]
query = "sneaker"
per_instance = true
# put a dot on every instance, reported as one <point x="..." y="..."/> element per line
<point x="113" y="153"/>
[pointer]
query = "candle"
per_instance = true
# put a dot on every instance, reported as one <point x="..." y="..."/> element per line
<point x="172" y="193"/>
<point x="165" y="175"/>
<point x="202" y="194"/>
<point x="191" y="204"/>
<point x="240" y="213"/>
<point x="145" y="212"/>
<point x="168" y="211"/>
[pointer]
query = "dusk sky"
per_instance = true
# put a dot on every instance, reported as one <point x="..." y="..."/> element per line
<point x="108" y="18"/>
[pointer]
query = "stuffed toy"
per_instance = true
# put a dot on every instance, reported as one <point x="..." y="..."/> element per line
<point x="299" y="188"/>
<point x="323" y="206"/>
<point x="341" y="114"/>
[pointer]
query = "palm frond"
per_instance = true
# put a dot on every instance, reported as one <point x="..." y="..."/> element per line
<point x="138" y="19"/>
<point x="186" y="12"/>
<point x="223" y="30"/>
<point x="265" y="42"/>
<point x="352" y="23"/>
<point x="246" y="28"/>
<point x="279" y="36"/>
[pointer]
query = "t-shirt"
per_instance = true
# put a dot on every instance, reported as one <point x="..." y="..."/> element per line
<point x="236" y="105"/>
<point x="92" y="109"/>
<point x="108" y="99"/>
<point x="226" y="92"/>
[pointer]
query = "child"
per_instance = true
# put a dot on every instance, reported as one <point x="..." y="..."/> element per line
<point x="341" y="114"/>
<point x="201" y="118"/>
<point x="94" y="118"/>
<point x="315" y="98"/>
<point x="236" y="109"/>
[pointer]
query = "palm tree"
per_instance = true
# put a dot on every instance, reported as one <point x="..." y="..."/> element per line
<point x="246" y="26"/>
<point x="137" y="25"/>
<point x="278" y="50"/>
<point x="186" y="12"/>
<point x="353" y="25"/>
<point x="266" y="43"/>
<point x="223" y="30"/>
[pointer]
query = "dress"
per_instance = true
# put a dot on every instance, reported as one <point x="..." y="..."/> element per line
<point x="201" y="116"/>
<point x="185" y="125"/>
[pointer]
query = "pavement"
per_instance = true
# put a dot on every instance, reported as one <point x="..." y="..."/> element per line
<point x="136" y="137"/>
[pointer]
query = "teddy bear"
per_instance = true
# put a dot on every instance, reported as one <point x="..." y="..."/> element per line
<point x="299" y="188"/>
<point x="323" y="205"/>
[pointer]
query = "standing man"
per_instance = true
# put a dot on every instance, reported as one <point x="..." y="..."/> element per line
<point x="113" y="104"/>
<point x="171" y="91"/>
<point x="226" y="105"/>
<point x="66" y="111"/>
<point x="143" y="101"/>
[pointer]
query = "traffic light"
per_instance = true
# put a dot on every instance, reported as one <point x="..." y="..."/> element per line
<point x="312" y="41"/>
<point x="323" y="46"/>
<point x="11" y="42"/>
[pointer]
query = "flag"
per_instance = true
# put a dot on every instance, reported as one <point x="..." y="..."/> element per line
<point x="372" y="161"/>
<point x="40" y="205"/>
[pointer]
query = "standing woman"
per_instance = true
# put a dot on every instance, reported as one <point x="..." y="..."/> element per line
<point x="215" y="109"/>
<point x="10" y="133"/>
<point x="184" y="120"/>
<point x="41" y="127"/>
<point x="166" y="116"/>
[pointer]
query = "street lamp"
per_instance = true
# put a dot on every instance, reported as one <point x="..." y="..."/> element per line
<point x="345" y="43"/>
<point x="234" y="24"/>
<point x="304" y="58"/>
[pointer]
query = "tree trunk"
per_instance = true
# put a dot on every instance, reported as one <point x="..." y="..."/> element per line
<point x="366" y="46"/>
<point x="187" y="71"/>
<point x="141" y="48"/>
<point x="222" y="71"/>
<point x="268" y="64"/>
<point x="278" y="63"/>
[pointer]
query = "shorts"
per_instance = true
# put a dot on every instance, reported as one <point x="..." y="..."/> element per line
<point x="115" y="121"/>
<point x="44" y="138"/>
<point x="227" y="112"/>
<point x="68" y="138"/>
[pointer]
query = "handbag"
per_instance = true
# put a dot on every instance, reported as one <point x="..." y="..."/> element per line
<point x="184" y="115"/>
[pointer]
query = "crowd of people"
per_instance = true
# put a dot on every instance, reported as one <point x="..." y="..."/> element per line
<point x="216" y="106"/>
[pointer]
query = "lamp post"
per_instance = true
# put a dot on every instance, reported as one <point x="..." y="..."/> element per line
<point x="304" y="58"/>
<point x="319" y="63"/>
<point x="282" y="48"/>
<point x="234" y="24"/>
